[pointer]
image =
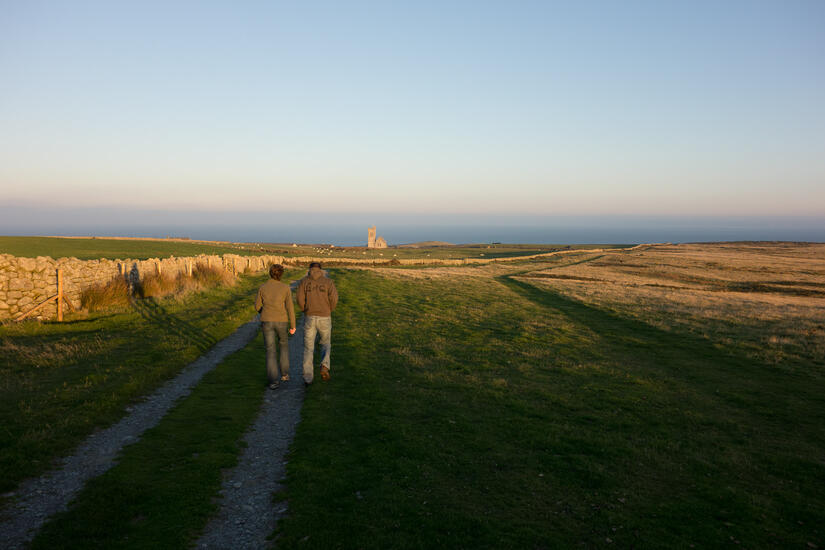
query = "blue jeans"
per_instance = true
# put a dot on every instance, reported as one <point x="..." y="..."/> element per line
<point x="270" y="329"/>
<point x="323" y="327"/>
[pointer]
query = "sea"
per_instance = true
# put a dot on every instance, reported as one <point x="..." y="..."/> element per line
<point x="351" y="230"/>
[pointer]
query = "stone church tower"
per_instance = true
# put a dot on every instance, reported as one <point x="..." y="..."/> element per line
<point x="372" y="241"/>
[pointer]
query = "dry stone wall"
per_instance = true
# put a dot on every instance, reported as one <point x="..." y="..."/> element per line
<point x="26" y="282"/>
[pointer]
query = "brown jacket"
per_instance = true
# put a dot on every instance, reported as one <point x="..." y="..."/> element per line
<point x="317" y="294"/>
<point x="274" y="302"/>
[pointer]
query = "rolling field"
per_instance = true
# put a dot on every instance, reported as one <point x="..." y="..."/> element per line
<point x="478" y="408"/>
<point x="452" y="252"/>
<point x="661" y="398"/>
<point x="141" y="249"/>
<point x="766" y="300"/>
<point x="93" y="249"/>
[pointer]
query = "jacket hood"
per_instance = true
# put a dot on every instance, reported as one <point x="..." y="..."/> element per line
<point x="315" y="273"/>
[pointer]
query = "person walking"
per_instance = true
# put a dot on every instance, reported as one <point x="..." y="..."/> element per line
<point x="317" y="298"/>
<point x="274" y="303"/>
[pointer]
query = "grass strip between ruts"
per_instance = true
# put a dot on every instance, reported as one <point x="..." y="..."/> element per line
<point x="161" y="492"/>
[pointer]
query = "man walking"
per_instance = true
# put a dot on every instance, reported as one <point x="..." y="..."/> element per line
<point x="317" y="298"/>
<point x="274" y="303"/>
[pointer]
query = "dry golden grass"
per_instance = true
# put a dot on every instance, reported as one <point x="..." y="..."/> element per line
<point x="156" y="285"/>
<point x="486" y="271"/>
<point x="116" y="292"/>
<point x="714" y="267"/>
<point x="203" y="276"/>
<point x="113" y="293"/>
<point x="209" y="276"/>
<point x="426" y="273"/>
<point x="766" y="298"/>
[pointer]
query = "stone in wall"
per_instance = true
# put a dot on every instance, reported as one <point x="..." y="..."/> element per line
<point x="20" y="283"/>
<point x="27" y="264"/>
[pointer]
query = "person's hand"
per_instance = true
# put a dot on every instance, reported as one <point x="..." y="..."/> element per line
<point x="292" y="331"/>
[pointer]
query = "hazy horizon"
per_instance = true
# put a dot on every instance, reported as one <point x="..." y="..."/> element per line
<point x="398" y="228"/>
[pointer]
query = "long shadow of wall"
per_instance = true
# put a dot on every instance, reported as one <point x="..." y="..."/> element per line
<point x="151" y="310"/>
<point x="682" y="358"/>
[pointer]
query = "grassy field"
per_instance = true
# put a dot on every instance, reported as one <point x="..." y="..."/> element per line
<point x="454" y="252"/>
<point x="59" y="381"/>
<point x="480" y="410"/>
<point x="141" y="249"/>
<point x="92" y="249"/>
<point x="669" y="397"/>
<point x="766" y="301"/>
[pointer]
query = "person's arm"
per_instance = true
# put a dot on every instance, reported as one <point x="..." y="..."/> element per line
<point x="332" y="293"/>
<point x="290" y="310"/>
<point x="259" y="302"/>
<point x="301" y="295"/>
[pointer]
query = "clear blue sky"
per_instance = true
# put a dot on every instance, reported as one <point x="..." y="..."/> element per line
<point x="543" y="108"/>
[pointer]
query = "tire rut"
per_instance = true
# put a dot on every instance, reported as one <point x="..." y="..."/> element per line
<point x="37" y="499"/>
<point x="247" y="514"/>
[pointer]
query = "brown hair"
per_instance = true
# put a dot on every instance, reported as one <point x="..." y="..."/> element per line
<point x="275" y="271"/>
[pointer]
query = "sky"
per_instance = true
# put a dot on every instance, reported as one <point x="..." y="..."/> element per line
<point x="464" y="109"/>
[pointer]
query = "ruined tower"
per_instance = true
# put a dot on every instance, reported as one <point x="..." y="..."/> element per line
<point x="373" y="241"/>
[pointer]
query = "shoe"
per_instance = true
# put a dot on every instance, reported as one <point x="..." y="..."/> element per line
<point x="274" y="386"/>
<point x="285" y="378"/>
<point x="324" y="373"/>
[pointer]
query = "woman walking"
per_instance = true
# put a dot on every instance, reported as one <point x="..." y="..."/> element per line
<point x="274" y="303"/>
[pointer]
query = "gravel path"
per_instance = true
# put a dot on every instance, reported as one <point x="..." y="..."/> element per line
<point x="248" y="515"/>
<point x="39" y="498"/>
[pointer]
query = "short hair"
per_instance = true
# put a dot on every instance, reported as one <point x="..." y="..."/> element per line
<point x="275" y="271"/>
<point x="315" y="264"/>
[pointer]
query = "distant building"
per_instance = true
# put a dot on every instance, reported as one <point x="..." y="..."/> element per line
<point x="373" y="241"/>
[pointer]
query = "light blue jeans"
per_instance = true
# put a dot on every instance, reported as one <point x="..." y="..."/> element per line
<point x="322" y="326"/>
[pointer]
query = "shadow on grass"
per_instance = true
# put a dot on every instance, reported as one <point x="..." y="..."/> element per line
<point x="81" y="321"/>
<point x="618" y="330"/>
<point x="739" y="380"/>
<point x="154" y="313"/>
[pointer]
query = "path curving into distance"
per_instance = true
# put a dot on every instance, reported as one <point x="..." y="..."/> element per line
<point x="39" y="498"/>
<point x="247" y="513"/>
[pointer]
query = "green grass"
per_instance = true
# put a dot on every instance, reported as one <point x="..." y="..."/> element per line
<point x="488" y="413"/>
<point x="162" y="491"/>
<point x="93" y="249"/>
<point x="481" y="412"/>
<point x="60" y="381"/>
